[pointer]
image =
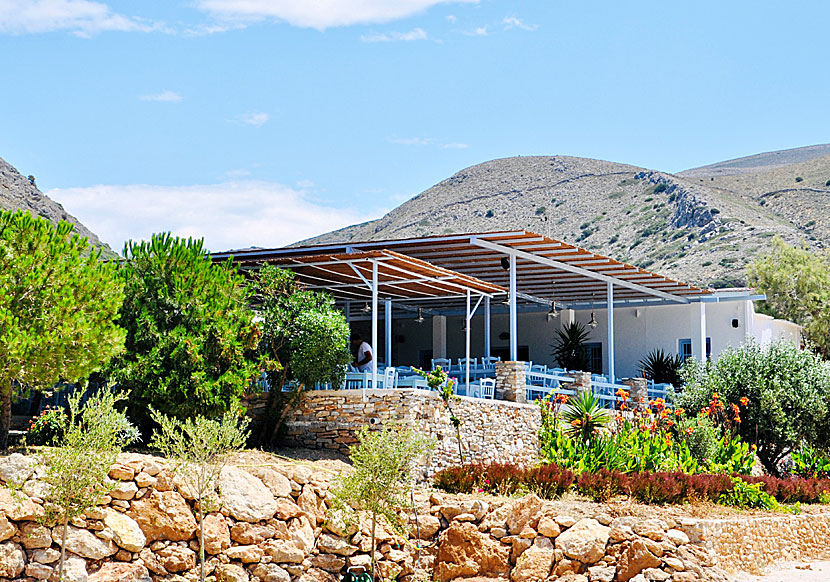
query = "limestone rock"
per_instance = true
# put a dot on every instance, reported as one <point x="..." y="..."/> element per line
<point x="245" y="554"/>
<point x="120" y="572"/>
<point x="18" y="507"/>
<point x="524" y="512"/>
<point x="301" y="533"/>
<point x="74" y="570"/>
<point x="16" y="469"/>
<point x="164" y="515"/>
<point x="244" y="496"/>
<point x="176" y="558"/>
<point x="271" y="573"/>
<point x="656" y="575"/>
<point x="283" y="551"/>
<point x="548" y="527"/>
<point x="286" y="509"/>
<point x="464" y="551"/>
<point x="428" y="525"/>
<point x="124" y="490"/>
<point x="474" y="507"/>
<point x="675" y="564"/>
<point x="317" y="575"/>
<point x="534" y="565"/>
<point x="677" y="537"/>
<point x="126" y="532"/>
<point x="650" y="528"/>
<point x="340" y="524"/>
<point x="7" y="528"/>
<point x="231" y="573"/>
<point x="309" y="503"/>
<point x="33" y="536"/>
<point x="12" y="560"/>
<point x="217" y="534"/>
<point x="333" y="545"/>
<point x="328" y="562"/>
<point x="122" y="472"/>
<point x="584" y="541"/>
<point x="145" y="480"/>
<point x="84" y="543"/>
<point x="634" y="559"/>
<point x="39" y="571"/>
<point x="46" y="556"/>
<point x="601" y="573"/>
<point x="278" y="483"/>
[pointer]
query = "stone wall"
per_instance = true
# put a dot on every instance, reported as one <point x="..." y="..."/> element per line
<point x="272" y="525"/>
<point x="491" y="430"/>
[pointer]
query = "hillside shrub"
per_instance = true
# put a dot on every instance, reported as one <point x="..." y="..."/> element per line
<point x="810" y="463"/>
<point x="47" y="428"/>
<point x="602" y="485"/>
<point x="548" y="481"/>
<point x="786" y="390"/>
<point x="459" y="478"/>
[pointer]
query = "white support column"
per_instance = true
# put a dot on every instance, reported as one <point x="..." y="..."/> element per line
<point x="702" y="320"/>
<point x="749" y="319"/>
<point x="487" y="327"/>
<point x="387" y="314"/>
<point x="467" y="347"/>
<point x="699" y="331"/>
<point x="611" y="373"/>
<point x="514" y="345"/>
<point x="374" y="327"/>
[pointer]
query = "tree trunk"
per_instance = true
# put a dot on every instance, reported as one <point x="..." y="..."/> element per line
<point x="372" y="563"/>
<point x="5" y="413"/>
<point x="201" y="543"/>
<point x="65" y="528"/>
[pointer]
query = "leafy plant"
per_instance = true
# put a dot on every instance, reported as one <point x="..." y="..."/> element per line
<point x="569" y="347"/>
<point x="748" y="495"/>
<point x="661" y="367"/>
<point x="785" y="390"/>
<point x="810" y="463"/>
<point x="584" y="416"/>
<point x="58" y="305"/>
<point x="305" y="340"/>
<point x="459" y="478"/>
<point x="77" y="468"/>
<point x="602" y="485"/>
<point x="199" y="448"/>
<point x="190" y="334"/>
<point x="701" y="435"/>
<point x="48" y="428"/>
<point x="381" y="476"/>
<point x="548" y="481"/>
<point x="439" y="381"/>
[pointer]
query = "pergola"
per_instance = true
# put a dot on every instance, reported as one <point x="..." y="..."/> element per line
<point x="525" y="265"/>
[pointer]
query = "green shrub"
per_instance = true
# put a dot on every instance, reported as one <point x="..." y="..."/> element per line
<point x="748" y="496"/>
<point x="787" y="390"/>
<point x="700" y="435"/>
<point x="489" y="214"/>
<point x="583" y="416"/>
<point x="799" y="179"/>
<point x="661" y="187"/>
<point x="810" y="463"/>
<point x="48" y="428"/>
<point x="662" y="367"/>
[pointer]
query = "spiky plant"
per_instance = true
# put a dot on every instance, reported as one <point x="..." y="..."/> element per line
<point x="661" y="367"/>
<point x="583" y="416"/>
<point x="569" y="349"/>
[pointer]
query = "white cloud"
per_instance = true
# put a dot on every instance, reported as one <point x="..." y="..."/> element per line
<point x="319" y="14"/>
<point x="237" y="173"/>
<point x="80" y="17"/>
<point x="255" y="119"/>
<point x="455" y="146"/>
<point x="228" y="215"/>
<point x="414" y="34"/>
<point x="480" y="31"/>
<point x="428" y="141"/>
<point x="513" y="22"/>
<point x="163" y="97"/>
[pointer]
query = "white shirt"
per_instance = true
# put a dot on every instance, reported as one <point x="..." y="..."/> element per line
<point x="362" y="351"/>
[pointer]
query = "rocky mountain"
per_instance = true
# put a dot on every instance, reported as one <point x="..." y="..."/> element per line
<point x="702" y="225"/>
<point x="17" y="192"/>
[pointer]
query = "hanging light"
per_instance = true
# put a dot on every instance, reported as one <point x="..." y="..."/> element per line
<point x="420" y="318"/>
<point x="505" y="263"/>
<point x="593" y="323"/>
<point x="366" y="308"/>
<point x="551" y="315"/>
<point x="464" y="325"/>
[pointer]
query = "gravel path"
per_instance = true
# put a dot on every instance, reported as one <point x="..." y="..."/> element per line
<point x="792" y="572"/>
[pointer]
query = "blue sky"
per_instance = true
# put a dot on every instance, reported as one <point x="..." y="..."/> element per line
<point x="260" y="122"/>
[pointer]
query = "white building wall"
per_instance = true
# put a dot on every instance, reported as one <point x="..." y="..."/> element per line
<point x="638" y="330"/>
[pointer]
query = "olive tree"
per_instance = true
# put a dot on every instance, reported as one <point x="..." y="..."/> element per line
<point x="199" y="448"/>
<point x="77" y="468"/>
<point x="796" y="282"/>
<point x="191" y="339"/>
<point x="305" y="341"/>
<point x="58" y="306"/>
<point x="787" y="392"/>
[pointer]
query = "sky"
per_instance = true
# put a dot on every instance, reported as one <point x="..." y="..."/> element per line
<point x="263" y="122"/>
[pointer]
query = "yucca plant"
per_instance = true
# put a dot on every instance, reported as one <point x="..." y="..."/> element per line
<point x="569" y="349"/>
<point x="583" y="416"/>
<point x="662" y="367"/>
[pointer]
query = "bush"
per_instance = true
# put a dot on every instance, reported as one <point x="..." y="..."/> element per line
<point x="602" y="485"/>
<point x="502" y="479"/>
<point x="662" y="367"/>
<point x="700" y="435"/>
<point x="748" y="496"/>
<point x="659" y="488"/>
<point x="459" y="478"/>
<point x="548" y="481"/>
<point x="48" y="428"/>
<point x="787" y="391"/>
<point x="811" y="463"/>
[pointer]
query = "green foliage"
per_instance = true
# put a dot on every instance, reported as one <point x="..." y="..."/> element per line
<point x="199" y="448"/>
<point x="77" y="468"/>
<point x="190" y="334"/>
<point x="58" y="304"/>
<point x="381" y="476"/>
<point x="661" y="367"/>
<point x="584" y="416"/>
<point x="305" y="340"/>
<point x="569" y="347"/>
<point x="788" y="391"/>
<point x="732" y="456"/>
<point x="48" y="428"/>
<point x="749" y="496"/>
<point x="439" y="381"/>
<point x="799" y="179"/>
<point x="701" y="436"/>
<point x="541" y="210"/>
<point x="797" y="284"/>
<point x="489" y="214"/>
<point x="810" y="463"/>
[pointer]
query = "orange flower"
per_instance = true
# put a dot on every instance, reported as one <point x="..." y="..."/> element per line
<point x="679" y="412"/>
<point x="704" y="411"/>
<point x="575" y="422"/>
<point x="715" y="396"/>
<point x="689" y="430"/>
<point x="562" y="398"/>
<point x="735" y="409"/>
<point x="647" y="411"/>
<point x="670" y="423"/>
<point x="744" y="400"/>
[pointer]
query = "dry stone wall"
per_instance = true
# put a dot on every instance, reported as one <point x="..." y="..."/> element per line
<point x="273" y="526"/>
<point x="491" y="430"/>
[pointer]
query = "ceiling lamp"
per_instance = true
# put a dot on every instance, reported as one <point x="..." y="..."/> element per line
<point x="420" y="318"/>
<point x="366" y="308"/>
<point x="551" y="315"/>
<point x="593" y="322"/>
<point x="505" y="263"/>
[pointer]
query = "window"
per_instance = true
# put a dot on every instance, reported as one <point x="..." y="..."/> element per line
<point x="594" y="351"/>
<point x="684" y="348"/>
<point x="523" y="352"/>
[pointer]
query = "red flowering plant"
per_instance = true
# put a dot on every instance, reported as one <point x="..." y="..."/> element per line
<point x="47" y="427"/>
<point x="732" y="454"/>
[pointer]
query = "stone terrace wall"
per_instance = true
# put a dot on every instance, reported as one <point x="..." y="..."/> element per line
<point x="272" y="526"/>
<point x="491" y="430"/>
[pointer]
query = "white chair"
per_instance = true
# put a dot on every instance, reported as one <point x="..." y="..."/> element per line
<point x="489" y="362"/>
<point x="390" y="378"/>
<point x="539" y="368"/>
<point x="462" y="363"/>
<point x="487" y="388"/>
<point x="443" y="362"/>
